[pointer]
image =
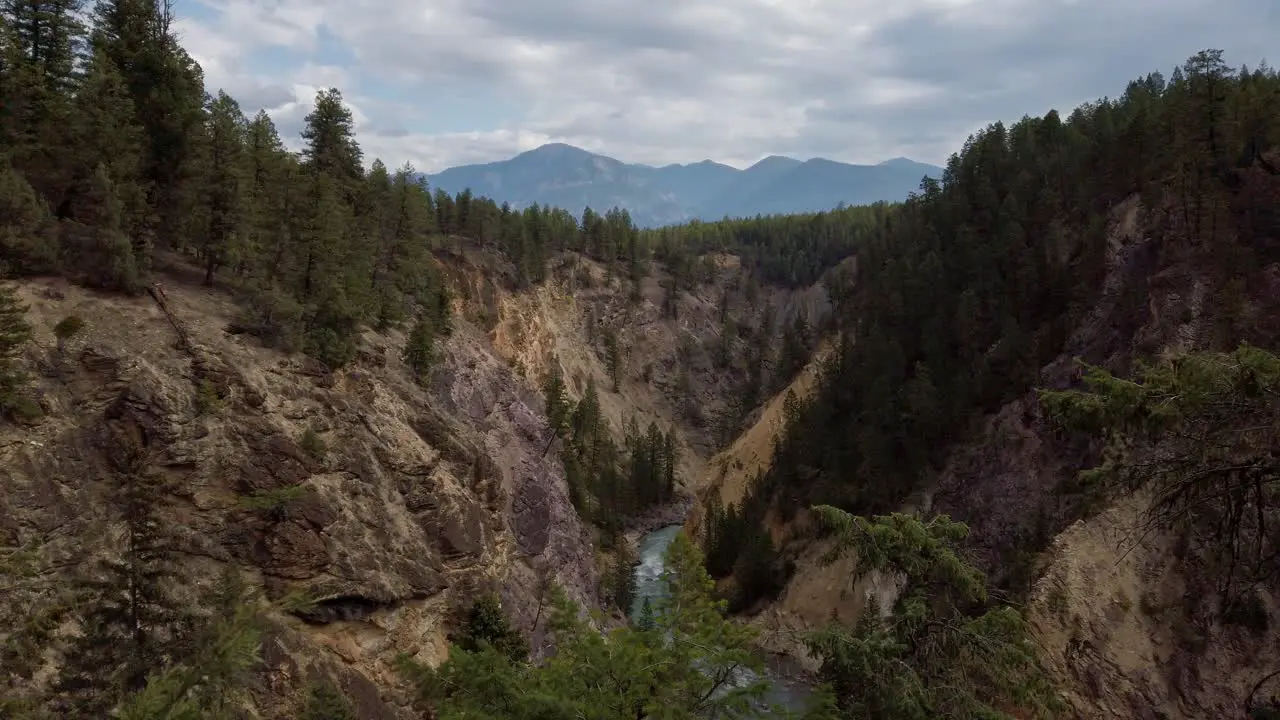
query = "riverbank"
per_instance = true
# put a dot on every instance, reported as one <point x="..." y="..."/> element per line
<point x="656" y="518"/>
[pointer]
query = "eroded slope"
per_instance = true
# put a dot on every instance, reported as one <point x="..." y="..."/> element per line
<point x="420" y="499"/>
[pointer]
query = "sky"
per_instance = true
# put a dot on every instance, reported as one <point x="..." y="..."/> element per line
<point x="439" y="83"/>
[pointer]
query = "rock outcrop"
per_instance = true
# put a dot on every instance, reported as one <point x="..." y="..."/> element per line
<point x="394" y="505"/>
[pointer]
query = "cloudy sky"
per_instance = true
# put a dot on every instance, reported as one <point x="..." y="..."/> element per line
<point x="447" y="82"/>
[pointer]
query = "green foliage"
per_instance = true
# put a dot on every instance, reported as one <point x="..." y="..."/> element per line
<point x="34" y="602"/>
<point x="622" y="581"/>
<point x="67" y="328"/>
<point x="1199" y="432"/>
<point x="558" y="405"/>
<point x="487" y="626"/>
<point x="208" y="400"/>
<point x="210" y="682"/>
<point x="312" y="444"/>
<point x="15" y="331"/>
<point x="27" y="242"/>
<point x="648" y="620"/>
<point x="608" y="483"/>
<point x="944" y="649"/>
<point x="326" y="702"/>
<point x="687" y="665"/>
<point x="131" y="617"/>
<point x="613" y="357"/>
<point x="420" y="349"/>
<point x="93" y="239"/>
<point x="273" y="502"/>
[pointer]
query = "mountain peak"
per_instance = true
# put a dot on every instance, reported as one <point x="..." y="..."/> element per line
<point x="569" y="177"/>
<point x="902" y="162"/>
<point x="556" y="149"/>
<point x="774" y="162"/>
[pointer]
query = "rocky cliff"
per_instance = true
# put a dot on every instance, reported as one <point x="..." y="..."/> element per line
<point x="390" y="504"/>
<point x="417" y="500"/>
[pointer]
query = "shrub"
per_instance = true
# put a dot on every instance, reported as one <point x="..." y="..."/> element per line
<point x="312" y="444"/>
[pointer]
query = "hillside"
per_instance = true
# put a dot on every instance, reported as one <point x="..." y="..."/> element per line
<point x="294" y="435"/>
<point x="1132" y="514"/>
<point x="420" y="499"/>
<point x="278" y="428"/>
<point x="567" y="177"/>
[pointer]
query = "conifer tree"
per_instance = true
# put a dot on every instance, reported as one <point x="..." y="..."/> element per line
<point x="47" y="35"/>
<point x="15" y="331"/>
<point x="28" y="241"/>
<point x="225" y="199"/>
<point x="557" y="403"/>
<point x="168" y="94"/>
<point x="613" y="357"/>
<point x="331" y="148"/>
<point x="944" y="650"/>
<point x="487" y="626"/>
<point x="92" y="236"/>
<point x="420" y="351"/>
<point x="267" y="177"/>
<point x="688" y="665"/>
<point x="131" y="622"/>
<point x="106" y="132"/>
<point x="209" y="680"/>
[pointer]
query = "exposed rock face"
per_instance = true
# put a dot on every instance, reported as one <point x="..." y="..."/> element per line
<point x="415" y="500"/>
<point x="1128" y="625"/>
<point x="1127" y="618"/>
<point x="547" y="535"/>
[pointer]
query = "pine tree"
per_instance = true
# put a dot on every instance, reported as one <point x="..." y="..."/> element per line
<point x="557" y="402"/>
<point x="268" y="177"/>
<point x="210" y="680"/>
<point x="487" y="625"/>
<point x="225" y="197"/>
<point x="688" y="666"/>
<point x="168" y="96"/>
<point x="648" y="620"/>
<point x="613" y="357"/>
<point x="47" y="36"/>
<point x="130" y="621"/>
<point x="331" y="148"/>
<point x="623" y="582"/>
<point x="15" y="331"/>
<point x="670" y="458"/>
<point x="15" y="90"/>
<point x="420" y="351"/>
<point x="106" y="133"/>
<point x="92" y="238"/>
<point x="943" y="650"/>
<point x="28" y="244"/>
<point x="1199" y="432"/>
<point x="326" y="702"/>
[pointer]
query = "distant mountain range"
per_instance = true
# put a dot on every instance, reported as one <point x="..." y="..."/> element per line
<point x="572" y="178"/>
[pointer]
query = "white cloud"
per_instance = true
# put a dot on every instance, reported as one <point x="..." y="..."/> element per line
<point x="682" y="80"/>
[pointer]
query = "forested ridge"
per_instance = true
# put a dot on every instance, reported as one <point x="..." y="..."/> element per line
<point x="964" y="292"/>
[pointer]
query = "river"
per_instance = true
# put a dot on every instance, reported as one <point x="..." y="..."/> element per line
<point x="651" y="550"/>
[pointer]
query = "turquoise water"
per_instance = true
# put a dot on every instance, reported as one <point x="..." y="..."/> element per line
<point x="649" y="569"/>
<point x="650" y="550"/>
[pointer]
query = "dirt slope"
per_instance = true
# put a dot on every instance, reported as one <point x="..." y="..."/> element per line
<point x="1127" y="625"/>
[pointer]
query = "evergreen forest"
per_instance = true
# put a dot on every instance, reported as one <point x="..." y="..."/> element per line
<point x="118" y="164"/>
